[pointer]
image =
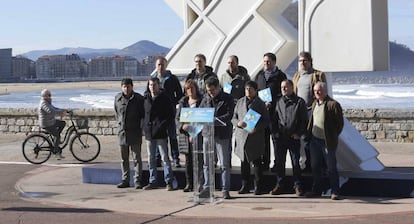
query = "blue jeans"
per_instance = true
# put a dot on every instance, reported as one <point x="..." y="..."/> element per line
<point x="319" y="155"/>
<point x="172" y="137"/>
<point x="161" y="145"/>
<point x="222" y="149"/>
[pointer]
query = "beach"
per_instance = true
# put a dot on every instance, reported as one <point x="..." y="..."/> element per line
<point x="7" y="88"/>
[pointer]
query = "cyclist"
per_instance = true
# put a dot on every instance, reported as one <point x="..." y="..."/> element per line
<point x="47" y="120"/>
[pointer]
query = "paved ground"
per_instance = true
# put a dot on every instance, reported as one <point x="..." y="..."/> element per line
<point x="59" y="183"/>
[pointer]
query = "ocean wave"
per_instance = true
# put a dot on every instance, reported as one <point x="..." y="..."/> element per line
<point x="385" y="93"/>
<point x="95" y="101"/>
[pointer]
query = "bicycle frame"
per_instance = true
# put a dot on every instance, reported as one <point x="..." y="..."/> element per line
<point x="68" y="133"/>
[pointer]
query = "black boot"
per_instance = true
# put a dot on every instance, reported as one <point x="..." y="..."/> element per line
<point x="244" y="188"/>
<point x="258" y="189"/>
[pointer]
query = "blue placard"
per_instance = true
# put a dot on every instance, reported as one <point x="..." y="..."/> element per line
<point x="265" y="95"/>
<point x="227" y="87"/>
<point x="251" y="118"/>
<point x="197" y="115"/>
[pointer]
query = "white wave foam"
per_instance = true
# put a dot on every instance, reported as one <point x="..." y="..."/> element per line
<point x="96" y="101"/>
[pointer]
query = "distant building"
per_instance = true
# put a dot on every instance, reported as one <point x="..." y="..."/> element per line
<point x="109" y="67"/>
<point x="59" y="67"/>
<point x="5" y="64"/>
<point x="100" y="67"/>
<point x="23" y="68"/>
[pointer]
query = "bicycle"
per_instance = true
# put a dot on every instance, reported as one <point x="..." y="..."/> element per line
<point x="84" y="146"/>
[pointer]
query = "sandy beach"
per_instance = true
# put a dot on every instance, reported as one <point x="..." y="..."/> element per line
<point x="6" y="88"/>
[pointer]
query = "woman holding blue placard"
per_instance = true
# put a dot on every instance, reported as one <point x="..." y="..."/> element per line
<point x="251" y="111"/>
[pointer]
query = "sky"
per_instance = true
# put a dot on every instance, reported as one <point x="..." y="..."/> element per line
<point x="54" y="24"/>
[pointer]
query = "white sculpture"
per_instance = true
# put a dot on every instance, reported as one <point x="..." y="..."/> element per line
<point x="342" y="35"/>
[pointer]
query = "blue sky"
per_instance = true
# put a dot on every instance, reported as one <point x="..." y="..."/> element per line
<point x="53" y="24"/>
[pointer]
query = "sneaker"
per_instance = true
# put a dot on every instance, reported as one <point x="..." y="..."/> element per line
<point x="312" y="194"/>
<point x="169" y="187"/>
<point x="335" y="196"/>
<point x="59" y="156"/>
<point x="122" y="185"/>
<point x="276" y="191"/>
<point x="226" y="195"/>
<point x="150" y="186"/>
<point x="138" y="185"/>
<point x="299" y="192"/>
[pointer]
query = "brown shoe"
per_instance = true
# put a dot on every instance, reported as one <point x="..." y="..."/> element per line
<point x="276" y="191"/>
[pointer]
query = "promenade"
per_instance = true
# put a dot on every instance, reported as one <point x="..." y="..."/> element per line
<point x="60" y="182"/>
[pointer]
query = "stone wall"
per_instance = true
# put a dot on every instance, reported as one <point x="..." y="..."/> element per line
<point x="374" y="125"/>
<point x="383" y="125"/>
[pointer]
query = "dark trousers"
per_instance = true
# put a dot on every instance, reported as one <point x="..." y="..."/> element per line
<point x="266" y="155"/>
<point x="137" y="160"/>
<point x="293" y="145"/>
<point x="245" y="172"/>
<point x="55" y="130"/>
<point x="319" y="156"/>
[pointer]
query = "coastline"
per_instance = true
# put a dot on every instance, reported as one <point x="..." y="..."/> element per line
<point x="7" y="88"/>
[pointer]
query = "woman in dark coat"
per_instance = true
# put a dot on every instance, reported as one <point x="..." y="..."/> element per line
<point x="191" y="99"/>
<point x="249" y="145"/>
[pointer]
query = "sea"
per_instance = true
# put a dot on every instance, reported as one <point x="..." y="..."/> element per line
<point x="355" y="96"/>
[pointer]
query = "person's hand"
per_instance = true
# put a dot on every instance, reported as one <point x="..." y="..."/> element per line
<point x="241" y="124"/>
<point x="252" y="131"/>
<point x="186" y="127"/>
<point x="268" y="105"/>
<point x="190" y="139"/>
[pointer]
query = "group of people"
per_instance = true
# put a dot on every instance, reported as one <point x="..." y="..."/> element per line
<point x="299" y="114"/>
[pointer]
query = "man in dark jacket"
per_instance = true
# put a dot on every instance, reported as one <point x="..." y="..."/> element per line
<point x="324" y="127"/>
<point x="289" y="124"/>
<point x="159" y="114"/>
<point x="224" y="108"/>
<point x="236" y="76"/>
<point x="174" y="91"/>
<point x="270" y="77"/>
<point x="129" y="111"/>
<point x="201" y="72"/>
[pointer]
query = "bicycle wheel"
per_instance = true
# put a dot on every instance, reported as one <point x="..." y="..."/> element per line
<point x="85" y="147"/>
<point x="37" y="148"/>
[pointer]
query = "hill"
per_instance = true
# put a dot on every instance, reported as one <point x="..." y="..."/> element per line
<point x="138" y="50"/>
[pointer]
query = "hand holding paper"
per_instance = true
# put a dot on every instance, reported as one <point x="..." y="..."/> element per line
<point x="251" y="118"/>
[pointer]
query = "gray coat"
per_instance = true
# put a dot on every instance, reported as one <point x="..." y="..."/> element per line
<point x="252" y="144"/>
<point x="47" y="113"/>
<point x="128" y="114"/>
